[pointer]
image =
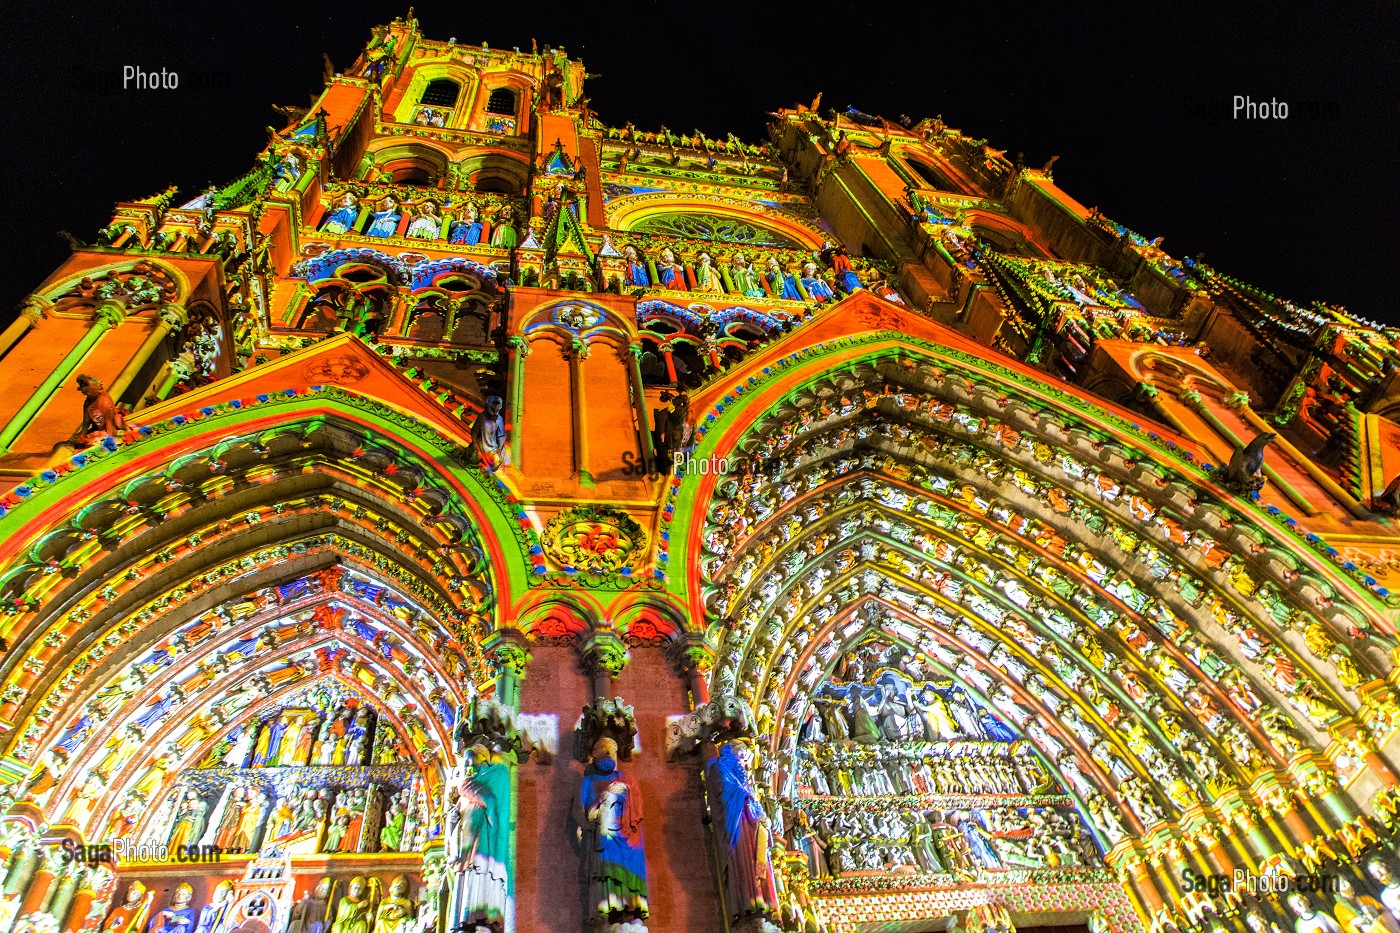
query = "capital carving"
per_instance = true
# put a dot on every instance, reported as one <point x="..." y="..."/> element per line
<point x="695" y="653"/>
<point x="508" y="650"/>
<point x="604" y="652"/>
<point x="174" y="315"/>
<point x="110" y="313"/>
<point x="35" y="308"/>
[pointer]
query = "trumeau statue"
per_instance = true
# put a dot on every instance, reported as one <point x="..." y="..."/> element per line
<point x="608" y="824"/>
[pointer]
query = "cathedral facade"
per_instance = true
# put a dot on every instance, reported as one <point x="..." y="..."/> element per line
<point x="480" y="518"/>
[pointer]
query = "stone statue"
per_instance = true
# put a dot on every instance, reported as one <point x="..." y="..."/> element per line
<point x="478" y="839"/>
<point x="179" y="916"/>
<point x="130" y="917"/>
<point x="1310" y="920"/>
<point x="608" y="825"/>
<point x="489" y="434"/>
<point x="1390" y="888"/>
<point x="352" y="914"/>
<point x="672" y="433"/>
<point x="395" y="912"/>
<point x="428" y="224"/>
<point x="309" y="914"/>
<point x="343" y="218"/>
<point x="211" y="915"/>
<point x="741" y="828"/>
<point x="190" y="821"/>
<point x="1245" y="471"/>
<point x="101" y="416"/>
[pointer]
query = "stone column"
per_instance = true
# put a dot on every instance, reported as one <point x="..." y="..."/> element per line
<point x="169" y="317"/>
<point x="94" y="896"/>
<point x="107" y="315"/>
<point x="81" y="903"/>
<point x="519" y="349"/>
<point x="62" y="896"/>
<point x="509" y="650"/>
<point x="639" y="401"/>
<point x="30" y="314"/>
<point x="576" y="357"/>
<point x="604" y="657"/>
<point x="696" y="657"/>
<point x="40" y="893"/>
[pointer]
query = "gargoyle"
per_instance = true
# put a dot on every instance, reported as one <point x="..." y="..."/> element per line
<point x="1245" y="473"/>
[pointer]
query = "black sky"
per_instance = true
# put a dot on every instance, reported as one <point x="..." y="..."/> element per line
<point x="1305" y="208"/>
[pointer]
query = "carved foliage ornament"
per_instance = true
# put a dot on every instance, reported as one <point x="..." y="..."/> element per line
<point x="593" y="539"/>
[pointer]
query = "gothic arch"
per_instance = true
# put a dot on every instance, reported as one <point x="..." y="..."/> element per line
<point x="1081" y="580"/>
<point x="419" y="162"/>
<point x="274" y="521"/>
<point x="626" y="212"/>
<point x="428" y="72"/>
<point x="73" y="285"/>
<point x="501" y="170"/>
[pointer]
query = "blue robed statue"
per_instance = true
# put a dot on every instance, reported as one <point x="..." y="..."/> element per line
<point x="608" y="817"/>
<point x="386" y="220"/>
<point x="343" y="217"/>
<point x="466" y="231"/>
<point x="742" y="832"/>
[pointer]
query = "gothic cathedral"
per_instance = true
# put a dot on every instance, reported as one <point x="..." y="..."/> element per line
<point x="480" y="519"/>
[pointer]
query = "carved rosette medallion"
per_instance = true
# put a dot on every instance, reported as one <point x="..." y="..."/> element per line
<point x="594" y="540"/>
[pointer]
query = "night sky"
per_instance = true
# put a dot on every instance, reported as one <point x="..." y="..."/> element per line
<point x="1124" y="94"/>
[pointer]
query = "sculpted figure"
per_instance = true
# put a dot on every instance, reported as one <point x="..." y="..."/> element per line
<point x="352" y="913"/>
<point x="840" y="262"/>
<point x="395" y="913"/>
<point x="816" y="286"/>
<point x="781" y="283"/>
<point x="1245" y="472"/>
<point x="671" y="272"/>
<point x="504" y="233"/>
<point x="489" y="433"/>
<point x="477" y="839"/>
<point x="130" y="917"/>
<point x="608" y="821"/>
<point x="468" y="230"/>
<point x="673" y="430"/>
<point x="211" y="916"/>
<point x="428" y="224"/>
<point x="101" y="416"/>
<point x="741" y="830"/>
<point x="1390" y="888"/>
<point x="309" y="914"/>
<point x="636" y="276"/>
<point x="343" y="217"/>
<point x="190" y="822"/>
<point x="1310" y="919"/>
<point x="385" y="222"/>
<point x="706" y="275"/>
<point x="745" y="278"/>
<point x="179" y="916"/>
